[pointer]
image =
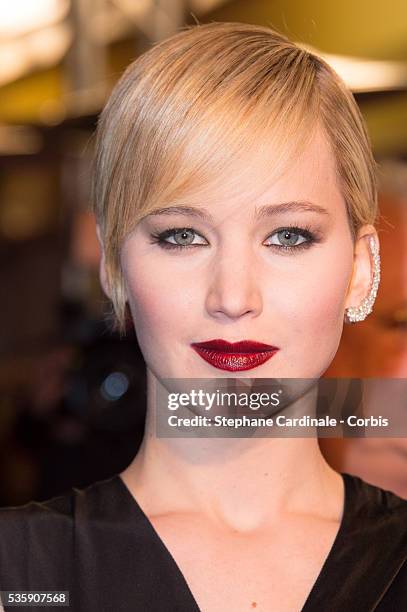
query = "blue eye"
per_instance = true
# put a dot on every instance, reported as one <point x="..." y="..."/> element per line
<point x="291" y="238"/>
<point x="179" y="237"/>
<point x="288" y="238"/>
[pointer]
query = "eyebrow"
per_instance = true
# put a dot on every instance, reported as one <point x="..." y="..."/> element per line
<point x="264" y="211"/>
<point x="295" y="206"/>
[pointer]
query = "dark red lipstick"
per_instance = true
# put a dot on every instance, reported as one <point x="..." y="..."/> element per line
<point x="234" y="356"/>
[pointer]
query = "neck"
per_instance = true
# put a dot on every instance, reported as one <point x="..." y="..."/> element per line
<point x="240" y="482"/>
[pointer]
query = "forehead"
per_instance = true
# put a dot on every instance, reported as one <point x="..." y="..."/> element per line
<point x="308" y="175"/>
<point x="264" y="177"/>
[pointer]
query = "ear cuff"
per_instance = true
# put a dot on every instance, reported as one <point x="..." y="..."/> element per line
<point x="359" y="313"/>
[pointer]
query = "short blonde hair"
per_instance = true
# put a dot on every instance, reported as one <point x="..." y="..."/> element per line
<point x="186" y="108"/>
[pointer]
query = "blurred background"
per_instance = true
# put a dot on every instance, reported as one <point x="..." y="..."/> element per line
<point x="72" y="393"/>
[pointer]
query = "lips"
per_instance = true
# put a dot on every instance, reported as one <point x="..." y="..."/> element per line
<point x="234" y="356"/>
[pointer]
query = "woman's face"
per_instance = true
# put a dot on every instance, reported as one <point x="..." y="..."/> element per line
<point x="238" y="272"/>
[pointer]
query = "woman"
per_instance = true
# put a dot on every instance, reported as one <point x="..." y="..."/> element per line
<point x="235" y="198"/>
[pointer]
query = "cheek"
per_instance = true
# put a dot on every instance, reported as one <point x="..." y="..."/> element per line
<point x="161" y="302"/>
<point x="315" y="299"/>
<point x="329" y="292"/>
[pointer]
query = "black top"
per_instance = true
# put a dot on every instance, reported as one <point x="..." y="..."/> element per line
<point x="98" y="544"/>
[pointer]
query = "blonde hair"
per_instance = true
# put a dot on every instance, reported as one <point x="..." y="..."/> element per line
<point x="184" y="110"/>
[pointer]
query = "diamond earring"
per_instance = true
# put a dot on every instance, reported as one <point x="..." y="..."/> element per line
<point x="355" y="314"/>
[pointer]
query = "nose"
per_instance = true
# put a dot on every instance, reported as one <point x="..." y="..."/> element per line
<point x="234" y="288"/>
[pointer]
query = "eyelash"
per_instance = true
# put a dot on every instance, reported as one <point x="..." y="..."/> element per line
<point x="306" y="232"/>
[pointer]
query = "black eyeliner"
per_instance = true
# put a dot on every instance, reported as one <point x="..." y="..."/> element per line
<point x="305" y="231"/>
<point x="160" y="238"/>
<point x="311" y="236"/>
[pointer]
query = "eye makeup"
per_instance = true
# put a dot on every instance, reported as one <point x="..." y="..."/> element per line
<point x="182" y="238"/>
<point x="310" y="236"/>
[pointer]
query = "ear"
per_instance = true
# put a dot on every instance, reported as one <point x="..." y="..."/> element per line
<point x="102" y="265"/>
<point x="362" y="272"/>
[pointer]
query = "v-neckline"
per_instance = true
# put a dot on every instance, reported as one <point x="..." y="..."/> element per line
<point x="323" y="575"/>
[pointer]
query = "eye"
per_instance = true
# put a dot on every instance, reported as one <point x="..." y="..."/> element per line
<point x="179" y="237"/>
<point x="290" y="238"/>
